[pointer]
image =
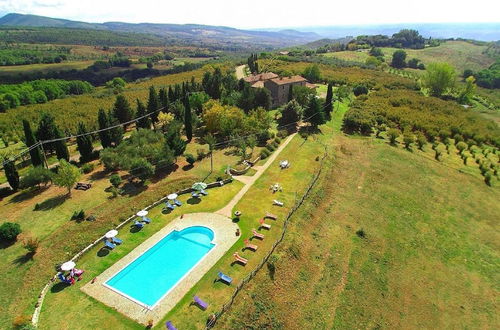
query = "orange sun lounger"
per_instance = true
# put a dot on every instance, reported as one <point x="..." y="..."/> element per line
<point x="256" y="234"/>
<point x="264" y="225"/>
<point x="240" y="259"/>
<point x="250" y="246"/>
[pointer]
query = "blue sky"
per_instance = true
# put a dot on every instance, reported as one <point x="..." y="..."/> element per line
<point x="261" y="13"/>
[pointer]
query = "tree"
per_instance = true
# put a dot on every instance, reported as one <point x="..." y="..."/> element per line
<point x="466" y="94"/>
<point x="145" y="121"/>
<point x="164" y="119"/>
<point x="188" y="119"/>
<point x="262" y="98"/>
<point x="439" y="78"/>
<point x="312" y="73"/>
<point x="67" y="175"/>
<point x="398" y="59"/>
<point x="413" y="63"/>
<point x="376" y="52"/>
<point x="35" y="154"/>
<point x="11" y="174"/>
<point x="190" y="159"/>
<point x="291" y="113"/>
<point x="115" y="180"/>
<point x="290" y="93"/>
<point x="313" y="112"/>
<point x="153" y="104"/>
<point x="103" y="122"/>
<point x="360" y="89"/>
<point x="9" y="231"/>
<point x="115" y="133"/>
<point x="62" y="151"/>
<point x="46" y="130"/>
<point x="142" y="169"/>
<point x="328" y="106"/>
<point x="393" y="134"/>
<point x="36" y="176"/>
<point x="122" y="110"/>
<point x="84" y="143"/>
<point x="173" y="139"/>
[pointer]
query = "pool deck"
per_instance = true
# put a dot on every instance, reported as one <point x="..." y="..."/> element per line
<point x="224" y="230"/>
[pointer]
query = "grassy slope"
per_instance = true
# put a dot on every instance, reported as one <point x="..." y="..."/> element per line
<point x="429" y="260"/>
<point x="462" y="55"/>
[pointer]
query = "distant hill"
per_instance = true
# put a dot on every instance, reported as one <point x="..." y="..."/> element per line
<point x="221" y="36"/>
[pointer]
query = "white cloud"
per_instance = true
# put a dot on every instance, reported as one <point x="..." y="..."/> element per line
<point x="261" y="13"/>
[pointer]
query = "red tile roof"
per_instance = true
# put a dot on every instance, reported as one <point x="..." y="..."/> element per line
<point x="260" y="77"/>
<point x="288" y="80"/>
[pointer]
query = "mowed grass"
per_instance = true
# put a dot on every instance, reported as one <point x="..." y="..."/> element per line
<point x="60" y="238"/>
<point x="462" y="55"/>
<point x="43" y="68"/>
<point x="428" y="259"/>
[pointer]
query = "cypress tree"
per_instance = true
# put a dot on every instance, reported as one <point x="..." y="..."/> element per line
<point x="173" y="139"/>
<point x="122" y="110"/>
<point x="104" y="136"/>
<point x="188" y="119"/>
<point x="163" y="96"/>
<point x="328" y="106"/>
<point x="116" y="133"/>
<point x="60" y="146"/>
<point x="153" y="104"/>
<point x="171" y="96"/>
<point x="313" y="112"/>
<point x="141" y="111"/>
<point x="84" y="143"/>
<point x="46" y="131"/>
<point x="12" y="175"/>
<point x="35" y="154"/>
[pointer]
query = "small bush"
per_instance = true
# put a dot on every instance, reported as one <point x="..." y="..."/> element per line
<point x="275" y="144"/>
<point x="282" y="133"/>
<point x="361" y="233"/>
<point x="488" y="178"/>
<point x="22" y="321"/>
<point x="264" y="153"/>
<point x="393" y="134"/>
<point x="270" y="147"/>
<point x="190" y="159"/>
<point x="200" y="154"/>
<point x="9" y="231"/>
<point x="461" y="146"/>
<point x="78" y="215"/>
<point x="408" y="139"/>
<point x="31" y="244"/>
<point x="360" y="89"/>
<point x="277" y="139"/>
<point x="87" y="168"/>
<point x="115" y="180"/>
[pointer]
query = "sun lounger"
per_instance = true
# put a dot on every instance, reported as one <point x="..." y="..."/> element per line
<point x="138" y="224"/>
<point x="256" y="234"/>
<point x="170" y="326"/>
<point x="116" y="240"/>
<point x="270" y="216"/>
<point x="177" y="202"/>
<point x="250" y="246"/>
<point x="264" y="225"/>
<point x="224" y="278"/>
<point x="109" y="245"/>
<point x="200" y="302"/>
<point x="195" y="194"/>
<point x="239" y="259"/>
<point x="277" y="202"/>
<point x="146" y="220"/>
<point x="203" y="192"/>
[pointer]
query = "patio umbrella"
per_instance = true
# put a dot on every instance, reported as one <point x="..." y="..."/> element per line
<point x="111" y="233"/>
<point x="68" y="265"/>
<point x="199" y="186"/>
<point x="142" y="213"/>
<point x="172" y="196"/>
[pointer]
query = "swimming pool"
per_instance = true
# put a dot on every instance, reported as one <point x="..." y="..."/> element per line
<point x="153" y="274"/>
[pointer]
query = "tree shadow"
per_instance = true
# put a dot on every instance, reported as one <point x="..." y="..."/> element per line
<point x="194" y="201"/>
<point x="98" y="175"/>
<point x="58" y="287"/>
<point x="21" y="260"/>
<point x="28" y="194"/>
<point x="130" y="189"/>
<point x="236" y="219"/>
<point x="135" y="229"/>
<point x="187" y="167"/>
<point x="163" y="173"/>
<point x="6" y="244"/>
<point x="166" y="210"/>
<point x="51" y="203"/>
<point x="102" y="252"/>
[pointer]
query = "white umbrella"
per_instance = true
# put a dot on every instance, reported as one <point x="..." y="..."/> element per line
<point x="68" y="265"/>
<point x="172" y="196"/>
<point x="142" y="213"/>
<point x="111" y="233"/>
<point x="199" y="186"/>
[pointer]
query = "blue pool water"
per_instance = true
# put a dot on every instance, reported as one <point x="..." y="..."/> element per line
<point x="149" y="277"/>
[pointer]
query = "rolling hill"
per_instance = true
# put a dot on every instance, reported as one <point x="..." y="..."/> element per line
<point x="182" y="33"/>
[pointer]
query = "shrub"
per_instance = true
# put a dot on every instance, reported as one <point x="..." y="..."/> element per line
<point x="488" y="178"/>
<point x="87" y="168"/>
<point x="282" y="133"/>
<point x="22" y="322"/>
<point x="264" y="153"/>
<point x="190" y="159"/>
<point x="78" y="215"/>
<point x="9" y="231"/>
<point x="361" y="233"/>
<point x="421" y="140"/>
<point x="36" y="176"/>
<point x="115" y="180"/>
<point x="461" y="146"/>
<point x="31" y="244"/>
<point x="200" y="154"/>
<point x="393" y="134"/>
<point x="360" y="89"/>
<point x="408" y="139"/>
<point x="277" y="139"/>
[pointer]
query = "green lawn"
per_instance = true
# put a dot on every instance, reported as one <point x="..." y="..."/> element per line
<point x="44" y="68"/>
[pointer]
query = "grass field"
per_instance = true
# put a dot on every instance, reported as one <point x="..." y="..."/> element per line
<point x="428" y="258"/>
<point x="43" y="68"/>
<point x="462" y="55"/>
